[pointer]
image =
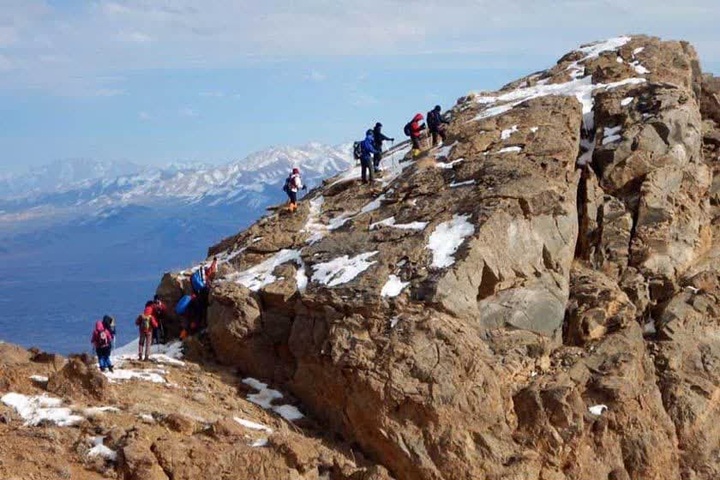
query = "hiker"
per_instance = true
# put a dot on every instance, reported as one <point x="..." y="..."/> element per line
<point x="158" y="309"/>
<point x="379" y="138"/>
<point x="201" y="281"/>
<point x="146" y="322"/>
<point x="109" y="324"/>
<point x="414" y="129"/>
<point x="102" y="341"/>
<point x="368" y="149"/>
<point x="293" y="184"/>
<point x="436" y="125"/>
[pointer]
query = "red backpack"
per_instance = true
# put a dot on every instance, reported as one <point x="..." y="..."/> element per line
<point x="104" y="339"/>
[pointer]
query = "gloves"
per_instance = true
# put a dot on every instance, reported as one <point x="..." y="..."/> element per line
<point x="392" y="139"/>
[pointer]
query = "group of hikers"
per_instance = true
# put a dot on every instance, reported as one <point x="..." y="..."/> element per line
<point x="370" y="150"/>
<point x="192" y="308"/>
<point x="150" y="323"/>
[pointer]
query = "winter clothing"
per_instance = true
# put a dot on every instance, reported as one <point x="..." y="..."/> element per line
<point x="158" y="312"/>
<point x="146" y="324"/>
<point x="368" y="149"/>
<point x="436" y="124"/>
<point x="379" y="138"/>
<point x="415" y="130"/>
<point x="294" y="186"/>
<point x="102" y="341"/>
<point x="109" y="324"/>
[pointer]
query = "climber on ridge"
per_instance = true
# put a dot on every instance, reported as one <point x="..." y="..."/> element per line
<point x="413" y="129"/>
<point x="436" y="125"/>
<point x="146" y="323"/>
<point x="379" y="138"/>
<point x="293" y="184"/>
<point x="109" y="324"/>
<point x="368" y="149"/>
<point x="102" y="342"/>
<point x="158" y="312"/>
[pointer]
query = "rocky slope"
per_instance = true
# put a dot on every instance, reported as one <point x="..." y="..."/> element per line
<point x="538" y="299"/>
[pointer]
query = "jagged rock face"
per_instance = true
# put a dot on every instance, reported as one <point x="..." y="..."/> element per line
<point x="458" y="319"/>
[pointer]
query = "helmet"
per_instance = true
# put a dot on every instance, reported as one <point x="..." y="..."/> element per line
<point x="296" y="170"/>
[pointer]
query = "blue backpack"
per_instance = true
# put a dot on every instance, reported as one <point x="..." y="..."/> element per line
<point x="183" y="304"/>
<point x="197" y="280"/>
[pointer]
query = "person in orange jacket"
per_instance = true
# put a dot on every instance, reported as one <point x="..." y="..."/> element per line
<point x="415" y="131"/>
<point x="146" y="324"/>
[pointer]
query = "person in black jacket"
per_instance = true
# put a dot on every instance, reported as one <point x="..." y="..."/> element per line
<point x="436" y="125"/>
<point x="379" y="137"/>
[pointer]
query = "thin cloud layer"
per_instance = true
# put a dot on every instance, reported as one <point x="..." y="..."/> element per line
<point x="66" y="49"/>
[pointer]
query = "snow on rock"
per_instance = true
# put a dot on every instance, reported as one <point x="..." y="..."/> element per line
<point x="41" y="408"/>
<point x="639" y="68"/>
<point x="638" y="50"/>
<point x="39" y="378"/>
<point x="505" y="134"/>
<point x="313" y="226"/>
<point x="393" y="286"/>
<point x="626" y="101"/>
<point x="390" y="222"/>
<point x="266" y="396"/>
<point x="260" y="275"/>
<point x="580" y="88"/>
<point x="374" y="205"/>
<point x="154" y="375"/>
<point x="449" y="165"/>
<point x="100" y="450"/>
<point x="342" y="269"/>
<point x="261" y="442"/>
<point x="394" y="321"/>
<point x="593" y="51"/>
<point x="92" y="411"/>
<point x="466" y="183"/>
<point x="612" y="135"/>
<point x="510" y="150"/>
<point x="534" y="129"/>
<point x="597" y="409"/>
<point x="252" y="425"/>
<point x="170" y="350"/>
<point x="447" y="238"/>
<point x="163" y="359"/>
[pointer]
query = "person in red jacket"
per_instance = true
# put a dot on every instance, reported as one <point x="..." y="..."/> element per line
<point x="146" y="324"/>
<point x="158" y="311"/>
<point x="415" y="131"/>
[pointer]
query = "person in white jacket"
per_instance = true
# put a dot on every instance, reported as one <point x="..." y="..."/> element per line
<point x="293" y="184"/>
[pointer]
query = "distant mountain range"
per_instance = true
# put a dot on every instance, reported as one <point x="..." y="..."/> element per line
<point x="71" y="188"/>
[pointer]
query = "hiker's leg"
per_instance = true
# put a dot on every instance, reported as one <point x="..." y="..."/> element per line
<point x="293" y="200"/>
<point x="376" y="159"/>
<point x="363" y="169"/>
<point x="148" y="343"/>
<point x="141" y="342"/>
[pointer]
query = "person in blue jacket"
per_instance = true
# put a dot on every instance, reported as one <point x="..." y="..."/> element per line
<point x="368" y="150"/>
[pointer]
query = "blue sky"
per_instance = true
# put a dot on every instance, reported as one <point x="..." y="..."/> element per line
<point x="157" y="81"/>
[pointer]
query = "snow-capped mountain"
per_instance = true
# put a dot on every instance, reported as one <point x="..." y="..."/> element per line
<point x="255" y="181"/>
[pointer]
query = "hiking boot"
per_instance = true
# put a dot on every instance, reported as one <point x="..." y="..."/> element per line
<point x="111" y="369"/>
<point x="147" y="359"/>
<point x="102" y="369"/>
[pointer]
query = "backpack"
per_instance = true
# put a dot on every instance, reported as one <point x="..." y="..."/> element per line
<point x="357" y="150"/>
<point x="145" y="323"/>
<point x="197" y="280"/>
<point x="286" y="186"/>
<point x="104" y="339"/>
<point x="408" y="129"/>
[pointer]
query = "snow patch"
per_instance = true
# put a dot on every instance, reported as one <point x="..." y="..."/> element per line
<point x="445" y="150"/>
<point x="626" y="101"/>
<point x="252" y="425"/>
<point x="639" y="68"/>
<point x="466" y="183"/>
<point x="394" y="321"/>
<point x="393" y="287"/>
<point x="505" y="134"/>
<point x="510" y="150"/>
<point x="41" y="408"/>
<point x="39" y="378"/>
<point x="638" y="50"/>
<point x="374" y="205"/>
<point x="261" y="275"/>
<point x="153" y="375"/>
<point x="612" y="135"/>
<point x="390" y="222"/>
<point x="265" y="398"/>
<point x="447" y="238"/>
<point x="534" y="129"/>
<point x="92" y="411"/>
<point x="597" y="409"/>
<point x="342" y="269"/>
<point x="260" y="442"/>
<point x="102" y="451"/>
<point x="449" y="165"/>
<point x="129" y="351"/>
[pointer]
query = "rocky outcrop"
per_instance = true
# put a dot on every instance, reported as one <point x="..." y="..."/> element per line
<point x="537" y="299"/>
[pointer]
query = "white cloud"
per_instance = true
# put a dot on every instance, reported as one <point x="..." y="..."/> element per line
<point x="187" y="112"/>
<point x="133" y="35"/>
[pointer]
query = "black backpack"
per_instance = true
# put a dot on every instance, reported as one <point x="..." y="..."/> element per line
<point x="286" y="187"/>
<point x="357" y="150"/>
<point x="408" y="129"/>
